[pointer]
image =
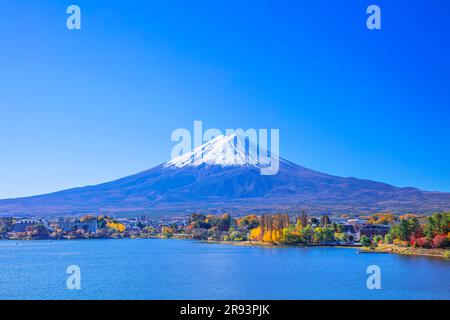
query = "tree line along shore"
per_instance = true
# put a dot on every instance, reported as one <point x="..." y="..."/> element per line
<point x="382" y="232"/>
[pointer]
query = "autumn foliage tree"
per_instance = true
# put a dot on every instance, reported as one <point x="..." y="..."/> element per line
<point x="432" y="232"/>
<point x="271" y="228"/>
<point x="249" y="222"/>
<point x="118" y="227"/>
<point x="381" y="218"/>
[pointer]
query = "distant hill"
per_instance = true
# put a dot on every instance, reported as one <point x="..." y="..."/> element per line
<point x="215" y="184"/>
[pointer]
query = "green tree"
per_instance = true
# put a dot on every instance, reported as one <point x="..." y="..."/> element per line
<point x="306" y="234"/>
<point x="414" y="227"/>
<point x="365" y="241"/>
<point x="341" y="237"/>
<point x="319" y="235"/>
<point x="140" y="225"/>
<point x="388" y="239"/>
<point x="338" y="228"/>
<point x="438" y="225"/>
<point x="289" y="235"/>
<point x="404" y="230"/>
<point x="329" y="234"/>
<point x="429" y="228"/>
<point x="395" y="231"/>
<point x="377" y="238"/>
<point x="445" y="223"/>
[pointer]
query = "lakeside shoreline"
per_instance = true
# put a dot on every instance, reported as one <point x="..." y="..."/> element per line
<point x="434" y="253"/>
<point x="409" y="251"/>
<point x="278" y="245"/>
<point x="382" y="248"/>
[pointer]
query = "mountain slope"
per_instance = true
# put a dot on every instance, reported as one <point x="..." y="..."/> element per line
<point x="210" y="179"/>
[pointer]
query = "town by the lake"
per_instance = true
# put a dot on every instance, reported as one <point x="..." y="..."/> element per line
<point x="381" y="232"/>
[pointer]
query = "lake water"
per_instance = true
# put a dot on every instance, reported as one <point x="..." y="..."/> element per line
<point x="181" y="269"/>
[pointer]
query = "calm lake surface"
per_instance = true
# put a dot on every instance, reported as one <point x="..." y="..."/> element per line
<point x="182" y="269"/>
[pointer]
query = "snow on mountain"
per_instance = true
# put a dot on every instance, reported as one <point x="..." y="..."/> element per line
<point x="229" y="150"/>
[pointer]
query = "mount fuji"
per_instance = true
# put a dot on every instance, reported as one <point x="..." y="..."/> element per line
<point x="222" y="176"/>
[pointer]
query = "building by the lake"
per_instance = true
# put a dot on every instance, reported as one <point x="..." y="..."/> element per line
<point x="22" y="224"/>
<point x="76" y="224"/>
<point x="370" y="230"/>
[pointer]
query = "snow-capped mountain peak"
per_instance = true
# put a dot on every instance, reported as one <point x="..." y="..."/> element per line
<point x="224" y="150"/>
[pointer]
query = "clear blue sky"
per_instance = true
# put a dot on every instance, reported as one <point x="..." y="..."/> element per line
<point x="84" y="107"/>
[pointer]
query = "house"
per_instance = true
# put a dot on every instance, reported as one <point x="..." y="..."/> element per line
<point x="130" y="224"/>
<point x="371" y="230"/>
<point x="73" y="225"/>
<point x="352" y="232"/>
<point x="355" y="222"/>
<point x="22" y="224"/>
